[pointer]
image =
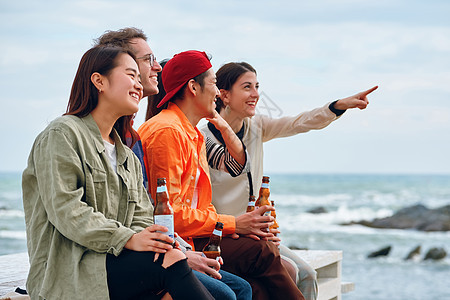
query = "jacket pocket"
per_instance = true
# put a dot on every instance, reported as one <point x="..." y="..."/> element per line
<point x="131" y="206"/>
<point x="95" y="184"/>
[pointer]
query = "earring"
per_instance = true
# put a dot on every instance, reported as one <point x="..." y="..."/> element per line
<point x="99" y="90"/>
<point x="227" y="109"/>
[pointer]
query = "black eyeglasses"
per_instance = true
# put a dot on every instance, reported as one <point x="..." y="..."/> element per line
<point x="150" y="57"/>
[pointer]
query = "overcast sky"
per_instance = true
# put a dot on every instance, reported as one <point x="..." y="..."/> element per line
<point x="306" y="54"/>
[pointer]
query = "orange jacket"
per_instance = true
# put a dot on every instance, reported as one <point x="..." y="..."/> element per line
<point x="174" y="149"/>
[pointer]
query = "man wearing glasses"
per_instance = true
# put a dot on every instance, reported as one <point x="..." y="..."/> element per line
<point x="229" y="286"/>
<point x="135" y="40"/>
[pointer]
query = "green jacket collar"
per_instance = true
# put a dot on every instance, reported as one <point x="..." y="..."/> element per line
<point x="122" y="155"/>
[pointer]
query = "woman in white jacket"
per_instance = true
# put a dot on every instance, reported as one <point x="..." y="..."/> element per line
<point x="239" y="96"/>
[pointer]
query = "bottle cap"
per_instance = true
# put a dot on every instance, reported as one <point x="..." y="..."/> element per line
<point x="161" y="181"/>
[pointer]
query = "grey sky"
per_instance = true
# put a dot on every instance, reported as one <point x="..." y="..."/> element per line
<point x="306" y="54"/>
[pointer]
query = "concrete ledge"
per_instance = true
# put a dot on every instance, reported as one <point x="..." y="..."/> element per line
<point x="319" y="258"/>
<point x="328" y="265"/>
<point x="14" y="272"/>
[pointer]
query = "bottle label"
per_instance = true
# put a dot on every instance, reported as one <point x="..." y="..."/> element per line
<point x="251" y="203"/>
<point x="166" y="220"/>
<point x="265" y="185"/>
<point x="266" y="213"/>
<point x="161" y="189"/>
<point x="217" y="232"/>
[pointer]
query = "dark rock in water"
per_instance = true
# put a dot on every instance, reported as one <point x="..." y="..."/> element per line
<point x="382" y="252"/>
<point x="415" y="217"/>
<point x="292" y="247"/>
<point x="318" y="210"/>
<point x="414" y="253"/>
<point x="436" y="254"/>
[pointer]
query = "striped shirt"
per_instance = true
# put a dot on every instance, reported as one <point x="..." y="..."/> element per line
<point x="220" y="159"/>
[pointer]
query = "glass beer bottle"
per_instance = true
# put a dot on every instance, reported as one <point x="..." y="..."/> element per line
<point x="274" y="215"/>
<point x="163" y="213"/>
<point x="263" y="198"/>
<point x="212" y="248"/>
<point x="251" y="203"/>
<point x="264" y="193"/>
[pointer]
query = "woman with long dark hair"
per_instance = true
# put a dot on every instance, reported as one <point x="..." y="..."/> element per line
<point x="89" y="221"/>
<point x="239" y="95"/>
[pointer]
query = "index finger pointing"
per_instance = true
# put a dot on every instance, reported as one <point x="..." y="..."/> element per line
<point x="365" y="93"/>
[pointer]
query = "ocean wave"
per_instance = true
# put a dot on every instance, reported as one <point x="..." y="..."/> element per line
<point x="293" y="225"/>
<point x="369" y="199"/>
<point x="11" y="213"/>
<point x="20" y="235"/>
<point x="343" y="214"/>
<point x="375" y="199"/>
<point x="302" y="200"/>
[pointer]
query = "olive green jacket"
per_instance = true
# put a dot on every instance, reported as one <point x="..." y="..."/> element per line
<point x="77" y="209"/>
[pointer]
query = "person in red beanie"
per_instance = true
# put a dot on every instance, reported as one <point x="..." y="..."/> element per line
<point x="175" y="149"/>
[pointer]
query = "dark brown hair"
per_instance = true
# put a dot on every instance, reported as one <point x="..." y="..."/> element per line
<point x="84" y="95"/>
<point x="227" y="75"/>
<point x="121" y="38"/>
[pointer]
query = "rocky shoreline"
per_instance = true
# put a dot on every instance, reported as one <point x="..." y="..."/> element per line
<point x="416" y="217"/>
<point x="435" y="253"/>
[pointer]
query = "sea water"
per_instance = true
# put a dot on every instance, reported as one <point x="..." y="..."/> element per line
<point x="349" y="198"/>
<point x="345" y="198"/>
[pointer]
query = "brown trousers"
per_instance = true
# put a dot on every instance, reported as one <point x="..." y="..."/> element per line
<point x="259" y="263"/>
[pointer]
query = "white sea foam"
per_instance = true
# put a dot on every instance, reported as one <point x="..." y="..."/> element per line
<point x="371" y="199"/>
<point x="21" y="235"/>
<point x="343" y="214"/>
<point x="11" y="213"/>
<point x="308" y="200"/>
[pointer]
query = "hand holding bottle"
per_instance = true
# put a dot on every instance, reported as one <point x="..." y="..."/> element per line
<point x="252" y="222"/>
<point x="199" y="262"/>
<point x="151" y="239"/>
